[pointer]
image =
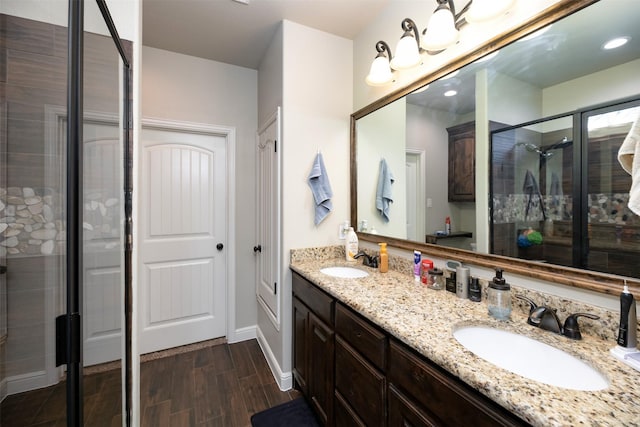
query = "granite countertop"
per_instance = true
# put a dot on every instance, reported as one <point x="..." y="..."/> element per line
<point x="425" y="319"/>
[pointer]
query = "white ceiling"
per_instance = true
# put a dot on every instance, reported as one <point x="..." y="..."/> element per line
<point x="239" y="34"/>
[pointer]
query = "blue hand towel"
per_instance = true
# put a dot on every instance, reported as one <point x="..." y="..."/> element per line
<point x="321" y="189"/>
<point x="383" y="191"/>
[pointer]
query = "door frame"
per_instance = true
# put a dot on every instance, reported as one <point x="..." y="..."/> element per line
<point x="275" y="318"/>
<point x="229" y="134"/>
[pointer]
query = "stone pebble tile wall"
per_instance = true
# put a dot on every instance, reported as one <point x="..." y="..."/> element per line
<point x="603" y="208"/>
<point x="32" y="221"/>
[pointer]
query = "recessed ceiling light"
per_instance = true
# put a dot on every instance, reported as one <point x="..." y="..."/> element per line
<point x="617" y="42"/>
<point x="451" y="93"/>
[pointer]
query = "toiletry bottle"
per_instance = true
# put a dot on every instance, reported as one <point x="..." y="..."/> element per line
<point x="499" y="297"/>
<point x="451" y="282"/>
<point x="351" y="245"/>
<point x="417" y="256"/>
<point x="436" y="279"/>
<point x="462" y="282"/>
<point x="447" y="225"/>
<point x="384" y="258"/>
<point x="425" y="266"/>
<point x="627" y="336"/>
<point x="475" y="293"/>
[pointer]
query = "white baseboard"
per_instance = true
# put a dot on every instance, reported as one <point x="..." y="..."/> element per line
<point x="25" y="382"/>
<point x="284" y="379"/>
<point x="243" y="334"/>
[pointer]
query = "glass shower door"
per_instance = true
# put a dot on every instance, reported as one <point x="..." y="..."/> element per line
<point x="612" y="238"/>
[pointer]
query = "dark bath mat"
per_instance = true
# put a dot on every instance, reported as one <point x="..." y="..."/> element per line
<point x="294" y="413"/>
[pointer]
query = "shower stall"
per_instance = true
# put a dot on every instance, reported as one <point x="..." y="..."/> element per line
<point x="64" y="199"/>
<point x="559" y="194"/>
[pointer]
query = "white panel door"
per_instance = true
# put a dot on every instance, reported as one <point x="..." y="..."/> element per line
<point x="183" y="229"/>
<point x="268" y="218"/>
<point x="103" y="305"/>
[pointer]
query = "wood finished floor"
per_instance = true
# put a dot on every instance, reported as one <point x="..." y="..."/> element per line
<point x="221" y="385"/>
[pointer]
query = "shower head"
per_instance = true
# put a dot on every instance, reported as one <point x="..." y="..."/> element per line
<point x="532" y="148"/>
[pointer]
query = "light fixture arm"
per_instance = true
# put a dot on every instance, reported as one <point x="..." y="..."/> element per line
<point x="381" y="47"/>
<point x="458" y="20"/>
<point x="408" y="25"/>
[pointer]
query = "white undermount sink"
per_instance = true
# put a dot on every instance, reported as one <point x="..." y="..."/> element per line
<point x="530" y="358"/>
<point x="344" y="272"/>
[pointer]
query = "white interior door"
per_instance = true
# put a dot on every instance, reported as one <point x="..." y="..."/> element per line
<point x="268" y="218"/>
<point x="183" y="231"/>
<point x="415" y="176"/>
<point x="102" y="246"/>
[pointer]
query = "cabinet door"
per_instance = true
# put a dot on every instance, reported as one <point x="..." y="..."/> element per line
<point x="300" y="345"/>
<point x="361" y="385"/>
<point x="404" y="413"/>
<point x="321" y="357"/>
<point x="462" y="161"/>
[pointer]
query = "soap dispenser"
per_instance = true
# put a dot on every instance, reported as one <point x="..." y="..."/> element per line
<point x="384" y="258"/>
<point x="499" y="297"/>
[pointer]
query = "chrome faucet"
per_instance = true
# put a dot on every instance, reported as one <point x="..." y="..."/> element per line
<point x="546" y="318"/>
<point x="369" y="261"/>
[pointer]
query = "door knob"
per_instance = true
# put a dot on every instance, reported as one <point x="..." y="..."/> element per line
<point x="257" y="248"/>
<point x="219" y="246"/>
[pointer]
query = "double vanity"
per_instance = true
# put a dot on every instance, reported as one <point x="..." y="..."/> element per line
<point x="381" y="349"/>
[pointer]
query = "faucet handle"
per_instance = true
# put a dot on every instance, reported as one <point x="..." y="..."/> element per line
<point x="571" y="328"/>
<point x="533" y="307"/>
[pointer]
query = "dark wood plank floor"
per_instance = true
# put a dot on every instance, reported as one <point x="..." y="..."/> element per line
<point x="220" y="385"/>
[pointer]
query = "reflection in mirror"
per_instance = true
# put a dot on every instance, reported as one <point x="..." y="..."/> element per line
<point x="531" y="88"/>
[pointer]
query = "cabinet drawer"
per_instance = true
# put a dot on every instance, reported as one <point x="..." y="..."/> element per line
<point x="404" y="413"/>
<point x="344" y="415"/>
<point x="319" y="302"/>
<point x="443" y="395"/>
<point x="362" y="336"/>
<point x="360" y="384"/>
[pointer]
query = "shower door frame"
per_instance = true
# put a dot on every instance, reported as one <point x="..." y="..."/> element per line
<point x="579" y="189"/>
<point x="71" y="323"/>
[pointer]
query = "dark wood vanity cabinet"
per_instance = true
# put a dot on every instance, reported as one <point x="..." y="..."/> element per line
<point x="355" y="374"/>
<point x="313" y="346"/>
<point x="423" y="394"/>
<point x="462" y="163"/>
<point x="361" y="388"/>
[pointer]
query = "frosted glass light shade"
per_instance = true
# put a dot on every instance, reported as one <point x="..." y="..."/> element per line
<point x="407" y="54"/>
<point x="380" y="73"/>
<point x="485" y="10"/>
<point x="441" y="31"/>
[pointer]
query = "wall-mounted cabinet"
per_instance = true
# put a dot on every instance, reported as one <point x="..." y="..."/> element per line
<point x="462" y="162"/>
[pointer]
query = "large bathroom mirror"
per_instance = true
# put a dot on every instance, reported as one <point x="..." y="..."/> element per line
<point x="510" y="158"/>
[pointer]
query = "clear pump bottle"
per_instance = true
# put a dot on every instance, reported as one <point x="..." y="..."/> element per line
<point x="499" y="297"/>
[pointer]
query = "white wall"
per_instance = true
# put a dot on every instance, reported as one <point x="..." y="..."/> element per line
<point x="315" y="117"/>
<point x="185" y="88"/>
<point x="384" y="135"/>
<point x="621" y="82"/>
<point x="427" y="130"/>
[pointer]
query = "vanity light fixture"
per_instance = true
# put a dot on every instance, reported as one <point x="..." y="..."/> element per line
<point x="486" y="10"/>
<point x="615" y="43"/>
<point x="380" y="73"/>
<point x="408" y="47"/>
<point x="443" y="26"/>
<point x="443" y="31"/>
